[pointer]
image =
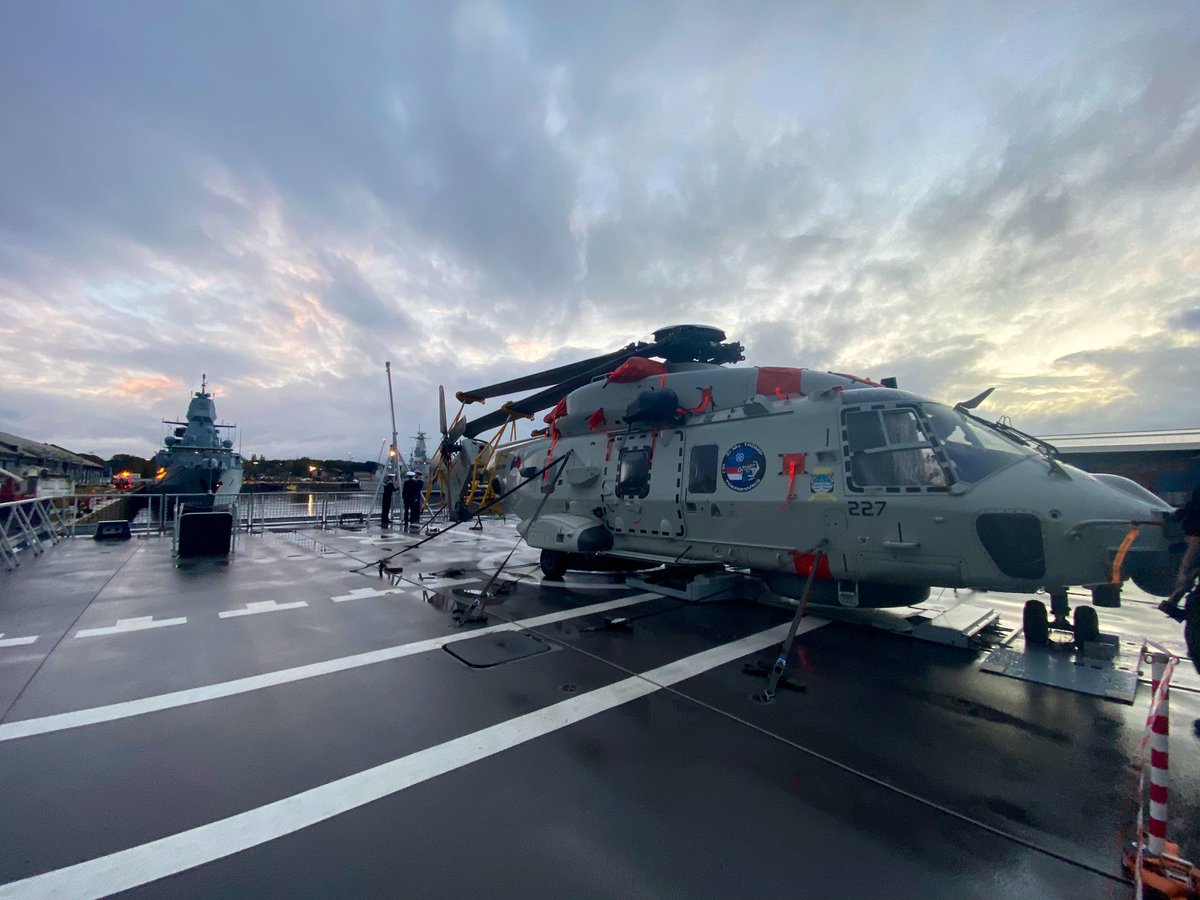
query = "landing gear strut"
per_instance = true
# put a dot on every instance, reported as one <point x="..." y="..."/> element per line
<point x="1060" y="606"/>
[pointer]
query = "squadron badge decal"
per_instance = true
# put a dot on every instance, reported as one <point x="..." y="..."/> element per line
<point x="822" y="481"/>
<point x="743" y="466"/>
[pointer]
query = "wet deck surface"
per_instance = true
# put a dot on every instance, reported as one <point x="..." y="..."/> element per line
<point x="325" y="741"/>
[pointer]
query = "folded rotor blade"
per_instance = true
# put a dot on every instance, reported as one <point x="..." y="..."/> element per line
<point x="442" y="409"/>
<point x="552" y="376"/>
<point x="544" y="399"/>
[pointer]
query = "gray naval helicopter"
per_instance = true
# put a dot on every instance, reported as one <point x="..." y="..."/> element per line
<point x="666" y="452"/>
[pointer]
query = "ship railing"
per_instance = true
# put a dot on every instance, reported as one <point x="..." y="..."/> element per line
<point x="34" y="524"/>
<point x="323" y="509"/>
<point x="30" y="525"/>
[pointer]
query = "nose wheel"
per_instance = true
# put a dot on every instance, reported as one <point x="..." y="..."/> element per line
<point x="1083" y="625"/>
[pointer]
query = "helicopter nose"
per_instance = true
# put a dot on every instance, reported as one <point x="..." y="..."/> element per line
<point x="1153" y="566"/>
<point x="1152" y="553"/>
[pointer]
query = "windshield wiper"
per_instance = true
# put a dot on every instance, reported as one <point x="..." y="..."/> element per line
<point x="1047" y="450"/>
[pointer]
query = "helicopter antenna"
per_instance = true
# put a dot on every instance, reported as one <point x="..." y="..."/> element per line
<point x="975" y="401"/>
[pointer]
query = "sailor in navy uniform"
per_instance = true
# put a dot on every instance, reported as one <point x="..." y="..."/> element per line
<point x="385" y="516"/>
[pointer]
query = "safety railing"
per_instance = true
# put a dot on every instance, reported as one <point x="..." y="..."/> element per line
<point x="287" y="508"/>
<point x="29" y="525"/>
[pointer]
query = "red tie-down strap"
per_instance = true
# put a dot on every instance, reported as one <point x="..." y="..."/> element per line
<point x="596" y="420"/>
<point x="553" y="441"/>
<point x="803" y="563"/>
<point x="856" y="378"/>
<point x="706" y="402"/>
<point x="558" y="412"/>
<point x="793" y="465"/>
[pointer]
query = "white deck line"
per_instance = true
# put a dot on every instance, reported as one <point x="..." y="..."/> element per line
<point x="16" y="642"/>
<point x="259" y="607"/>
<point x="438" y="584"/>
<point x="364" y="593"/>
<point x="124" y="626"/>
<point x="179" y="852"/>
<point x="111" y="712"/>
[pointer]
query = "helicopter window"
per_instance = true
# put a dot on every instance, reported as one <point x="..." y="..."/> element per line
<point x="889" y="448"/>
<point x="974" y="451"/>
<point x="865" y="430"/>
<point x="702" y="469"/>
<point x="633" y="473"/>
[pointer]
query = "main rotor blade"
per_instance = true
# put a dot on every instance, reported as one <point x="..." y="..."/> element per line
<point x="553" y="376"/>
<point x="442" y="409"/>
<point x="527" y="406"/>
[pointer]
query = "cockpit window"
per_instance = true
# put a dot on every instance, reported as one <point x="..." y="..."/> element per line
<point x="973" y="450"/>
<point x="865" y="430"/>
<point x="889" y="448"/>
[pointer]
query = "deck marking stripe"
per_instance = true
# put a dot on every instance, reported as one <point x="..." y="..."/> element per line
<point x="362" y="593"/>
<point x="185" y="850"/>
<point x="259" y="607"/>
<point x="438" y="584"/>
<point x="97" y="714"/>
<point x="16" y="642"/>
<point x="124" y="626"/>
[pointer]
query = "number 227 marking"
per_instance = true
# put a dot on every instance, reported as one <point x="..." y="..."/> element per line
<point x="866" y="507"/>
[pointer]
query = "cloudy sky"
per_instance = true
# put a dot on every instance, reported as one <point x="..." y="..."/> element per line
<point x="285" y="195"/>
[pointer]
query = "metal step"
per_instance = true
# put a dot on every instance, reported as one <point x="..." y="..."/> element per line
<point x="956" y="627"/>
<point x="697" y="585"/>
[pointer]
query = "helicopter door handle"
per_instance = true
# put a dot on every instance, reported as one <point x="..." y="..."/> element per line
<point x="902" y="545"/>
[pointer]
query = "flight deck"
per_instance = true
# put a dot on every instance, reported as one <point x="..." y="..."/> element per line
<point x="290" y="722"/>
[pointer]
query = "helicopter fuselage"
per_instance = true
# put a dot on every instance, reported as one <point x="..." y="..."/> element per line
<point x="775" y="470"/>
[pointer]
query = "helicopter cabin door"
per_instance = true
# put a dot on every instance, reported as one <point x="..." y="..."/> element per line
<point x="643" y="484"/>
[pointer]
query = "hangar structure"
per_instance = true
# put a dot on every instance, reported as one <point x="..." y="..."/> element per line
<point x="1165" y="461"/>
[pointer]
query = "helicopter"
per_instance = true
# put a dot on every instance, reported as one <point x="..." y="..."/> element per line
<point x="666" y="452"/>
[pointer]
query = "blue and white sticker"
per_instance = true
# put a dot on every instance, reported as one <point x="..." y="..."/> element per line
<point x="822" y="481"/>
<point x="743" y="467"/>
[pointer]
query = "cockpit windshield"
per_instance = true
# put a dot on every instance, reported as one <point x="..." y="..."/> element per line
<point x="973" y="450"/>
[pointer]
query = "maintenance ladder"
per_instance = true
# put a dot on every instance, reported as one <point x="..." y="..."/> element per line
<point x="29" y="525"/>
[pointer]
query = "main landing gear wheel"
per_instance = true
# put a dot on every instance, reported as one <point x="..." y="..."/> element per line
<point x="1087" y="626"/>
<point x="1036" y="623"/>
<point x="554" y="564"/>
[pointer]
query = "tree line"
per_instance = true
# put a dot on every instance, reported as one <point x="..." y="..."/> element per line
<point x="258" y="467"/>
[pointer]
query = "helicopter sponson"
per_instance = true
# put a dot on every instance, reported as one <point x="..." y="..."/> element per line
<point x="773" y="469"/>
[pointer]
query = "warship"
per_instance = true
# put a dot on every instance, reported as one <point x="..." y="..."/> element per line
<point x="195" y="460"/>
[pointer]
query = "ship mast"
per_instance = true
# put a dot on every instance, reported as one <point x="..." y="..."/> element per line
<point x="394" y="458"/>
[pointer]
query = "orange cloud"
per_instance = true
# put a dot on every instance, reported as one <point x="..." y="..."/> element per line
<point x="146" y="386"/>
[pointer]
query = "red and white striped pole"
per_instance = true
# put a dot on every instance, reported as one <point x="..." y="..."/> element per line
<point x="1159" y="779"/>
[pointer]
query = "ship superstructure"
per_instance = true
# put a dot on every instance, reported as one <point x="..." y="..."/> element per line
<point x="195" y="459"/>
